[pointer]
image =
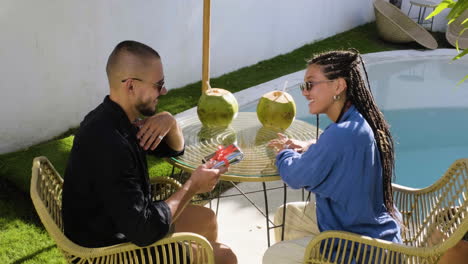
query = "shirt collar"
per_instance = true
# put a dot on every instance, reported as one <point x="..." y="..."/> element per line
<point x="347" y="114"/>
<point x="119" y="115"/>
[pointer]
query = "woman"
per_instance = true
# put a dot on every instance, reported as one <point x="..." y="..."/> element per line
<point x="350" y="167"/>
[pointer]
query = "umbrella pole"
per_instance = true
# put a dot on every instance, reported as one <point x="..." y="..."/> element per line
<point x="206" y="46"/>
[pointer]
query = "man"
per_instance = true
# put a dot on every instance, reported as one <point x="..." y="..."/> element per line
<point x="106" y="196"/>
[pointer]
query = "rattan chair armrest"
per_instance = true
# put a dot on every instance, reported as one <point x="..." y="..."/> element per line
<point x="368" y="241"/>
<point x="441" y="182"/>
<point x="163" y="187"/>
<point x="404" y="189"/>
<point x="162" y="179"/>
<point x="123" y="251"/>
<point x="409" y="190"/>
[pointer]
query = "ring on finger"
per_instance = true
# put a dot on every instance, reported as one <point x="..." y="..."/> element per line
<point x="160" y="137"/>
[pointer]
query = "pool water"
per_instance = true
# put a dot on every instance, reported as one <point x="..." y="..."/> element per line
<point x="427" y="112"/>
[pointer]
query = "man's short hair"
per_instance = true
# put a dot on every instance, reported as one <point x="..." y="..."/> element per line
<point x="132" y="47"/>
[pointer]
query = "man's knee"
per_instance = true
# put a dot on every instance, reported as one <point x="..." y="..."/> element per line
<point x="209" y="217"/>
<point x="224" y="254"/>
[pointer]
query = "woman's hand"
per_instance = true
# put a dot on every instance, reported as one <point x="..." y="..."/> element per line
<point x="283" y="142"/>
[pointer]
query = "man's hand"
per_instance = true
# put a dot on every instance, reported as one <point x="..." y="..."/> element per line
<point x="153" y="129"/>
<point x="204" y="178"/>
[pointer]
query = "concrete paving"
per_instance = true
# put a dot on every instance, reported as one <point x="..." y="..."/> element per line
<point x="242" y="226"/>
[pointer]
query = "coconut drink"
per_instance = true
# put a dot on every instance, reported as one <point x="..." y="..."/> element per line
<point x="276" y="110"/>
<point x="217" y="108"/>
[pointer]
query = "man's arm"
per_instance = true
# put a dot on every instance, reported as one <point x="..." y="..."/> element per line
<point x="174" y="138"/>
<point x="162" y="126"/>
<point x="202" y="180"/>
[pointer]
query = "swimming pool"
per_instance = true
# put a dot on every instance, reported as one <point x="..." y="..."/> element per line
<point x="427" y="112"/>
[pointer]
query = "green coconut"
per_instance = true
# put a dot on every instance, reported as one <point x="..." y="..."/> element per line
<point x="276" y="110"/>
<point x="217" y="108"/>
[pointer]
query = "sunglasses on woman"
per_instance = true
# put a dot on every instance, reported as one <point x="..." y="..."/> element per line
<point x="309" y="85"/>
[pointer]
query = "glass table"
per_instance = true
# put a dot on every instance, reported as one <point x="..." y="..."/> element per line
<point x="248" y="133"/>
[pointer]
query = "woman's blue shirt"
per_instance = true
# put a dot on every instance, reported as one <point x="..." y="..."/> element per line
<point x="344" y="171"/>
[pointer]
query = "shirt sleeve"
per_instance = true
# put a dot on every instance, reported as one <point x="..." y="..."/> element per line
<point x="122" y="194"/>
<point x="310" y="169"/>
<point x="163" y="150"/>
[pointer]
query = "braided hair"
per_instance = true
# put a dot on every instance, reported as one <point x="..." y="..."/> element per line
<point x="345" y="64"/>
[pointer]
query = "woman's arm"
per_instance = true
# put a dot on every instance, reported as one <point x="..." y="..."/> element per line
<point x="308" y="169"/>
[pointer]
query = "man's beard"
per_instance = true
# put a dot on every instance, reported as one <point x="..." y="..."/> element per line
<point x="146" y="110"/>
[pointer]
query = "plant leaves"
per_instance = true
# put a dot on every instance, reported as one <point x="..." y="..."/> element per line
<point x="465" y="51"/>
<point x="457" y="9"/>
<point x="464" y="79"/>
<point x="440" y="7"/>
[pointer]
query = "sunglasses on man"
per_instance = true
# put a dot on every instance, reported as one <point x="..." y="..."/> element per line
<point x="159" y="85"/>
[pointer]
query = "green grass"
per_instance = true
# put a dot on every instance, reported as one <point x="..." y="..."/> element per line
<point x="22" y="237"/>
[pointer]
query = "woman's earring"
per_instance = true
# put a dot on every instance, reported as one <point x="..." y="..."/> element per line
<point x="336" y="97"/>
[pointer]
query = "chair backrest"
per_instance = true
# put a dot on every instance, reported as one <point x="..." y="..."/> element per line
<point x="456" y="27"/>
<point x="437" y="213"/>
<point x="46" y="194"/>
<point x="395" y="26"/>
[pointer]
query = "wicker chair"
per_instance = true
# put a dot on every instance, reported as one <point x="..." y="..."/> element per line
<point x="454" y="29"/>
<point x="395" y="26"/>
<point x="46" y="192"/>
<point x="435" y="217"/>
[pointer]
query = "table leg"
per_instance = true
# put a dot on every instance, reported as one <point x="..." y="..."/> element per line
<point x="419" y="16"/>
<point x="248" y="199"/>
<point x="432" y="21"/>
<point x="269" y="224"/>
<point x="409" y="11"/>
<point x="284" y="211"/>
<point x="211" y="197"/>
<point x="217" y="202"/>
<point x="424" y="15"/>
<point x="266" y="211"/>
<point x="282" y="225"/>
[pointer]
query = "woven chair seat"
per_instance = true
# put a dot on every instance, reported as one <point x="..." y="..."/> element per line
<point x="46" y="194"/>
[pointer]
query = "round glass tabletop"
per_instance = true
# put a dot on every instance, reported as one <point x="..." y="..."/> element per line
<point x="251" y="137"/>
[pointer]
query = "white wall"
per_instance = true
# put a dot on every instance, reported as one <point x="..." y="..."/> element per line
<point x="53" y="52"/>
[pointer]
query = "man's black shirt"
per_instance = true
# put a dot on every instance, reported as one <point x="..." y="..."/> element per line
<point x="106" y="195"/>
